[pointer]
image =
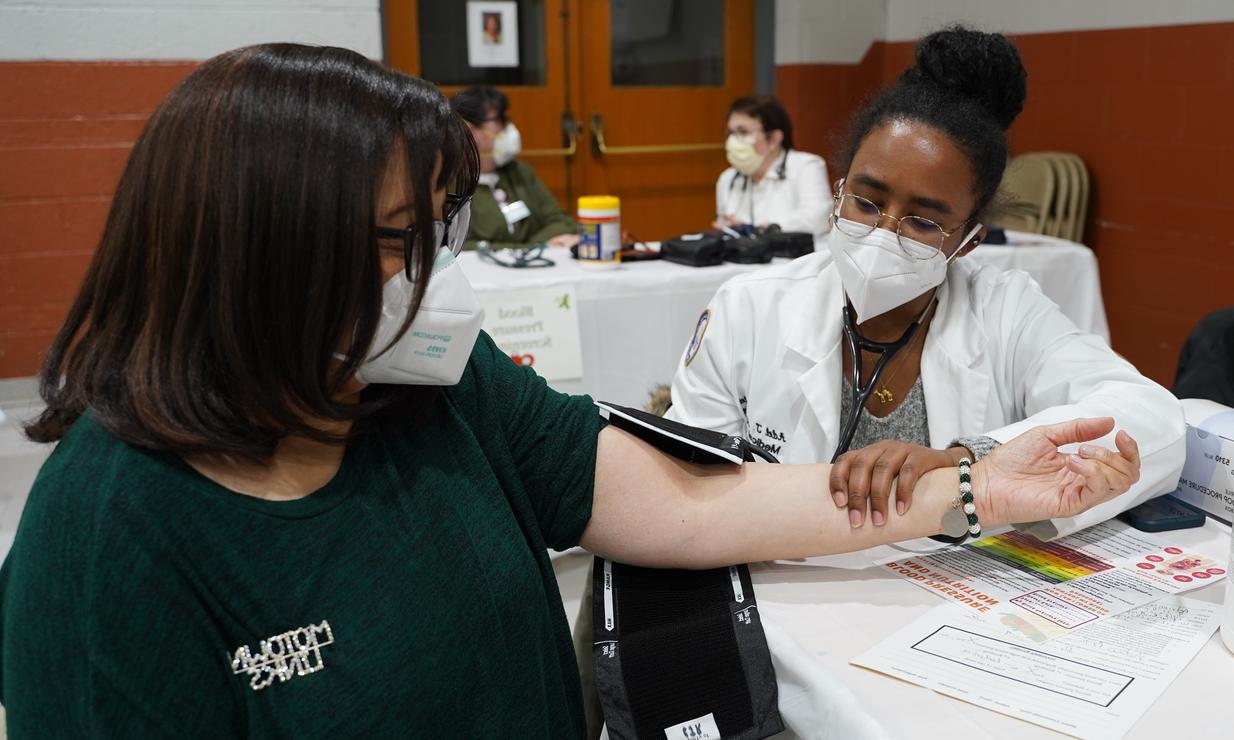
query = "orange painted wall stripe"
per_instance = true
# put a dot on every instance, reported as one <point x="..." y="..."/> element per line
<point x="66" y="129"/>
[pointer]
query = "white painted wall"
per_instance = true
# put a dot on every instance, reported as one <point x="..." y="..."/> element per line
<point x="841" y="31"/>
<point x="836" y="31"/>
<point x="173" y="29"/>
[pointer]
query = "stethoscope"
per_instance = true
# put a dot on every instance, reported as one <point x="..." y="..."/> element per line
<point x="781" y="170"/>
<point x="886" y="351"/>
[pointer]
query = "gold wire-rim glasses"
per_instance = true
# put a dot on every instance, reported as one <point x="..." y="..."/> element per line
<point x="926" y="228"/>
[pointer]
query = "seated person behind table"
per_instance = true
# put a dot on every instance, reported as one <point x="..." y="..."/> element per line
<point x="993" y="356"/>
<point x="769" y="182"/>
<point x="511" y="207"/>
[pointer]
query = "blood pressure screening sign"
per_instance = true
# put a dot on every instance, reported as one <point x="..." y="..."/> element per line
<point x="537" y="328"/>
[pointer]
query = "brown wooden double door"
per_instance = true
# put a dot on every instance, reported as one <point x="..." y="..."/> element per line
<point x="626" y="97"/>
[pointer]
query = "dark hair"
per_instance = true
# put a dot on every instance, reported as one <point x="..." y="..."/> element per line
<point x="240" y="254"/>
<point x="769" y="112"/>
<point x="478" y="103"/>
<point x="968" y="84"/>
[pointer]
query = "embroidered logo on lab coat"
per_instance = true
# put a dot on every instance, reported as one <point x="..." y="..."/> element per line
<point x="294" y="653"/>
<point x="697" y="340"/>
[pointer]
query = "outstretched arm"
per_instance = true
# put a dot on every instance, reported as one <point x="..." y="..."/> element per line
<point x="655" y="511"/>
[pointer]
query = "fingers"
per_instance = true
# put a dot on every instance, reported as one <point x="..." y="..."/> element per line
<point x="838" y="480"/>
<point x="883" y="472"/>
<point x="1078" y="430"/>
<point x="1104" y="475"/>
<point x="873" y="475"/>
<point x="1129" y="449"/>
<point x="1117" y="471"/>
<point x="1126" y="466"/>
<point x="859" y="469"/>
<point x="910" y="472"/>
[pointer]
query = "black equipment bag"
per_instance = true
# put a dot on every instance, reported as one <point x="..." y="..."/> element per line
<point x="696" y="250"/>
<point x="791" y="244"/>
<point x="749" y="250"/>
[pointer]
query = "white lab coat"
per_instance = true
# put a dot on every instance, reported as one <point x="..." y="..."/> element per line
<point x="800" y="200"/>
<point x="999" y="359"/>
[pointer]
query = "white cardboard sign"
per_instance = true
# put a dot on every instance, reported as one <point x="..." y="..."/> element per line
<point x="538" y="328"/>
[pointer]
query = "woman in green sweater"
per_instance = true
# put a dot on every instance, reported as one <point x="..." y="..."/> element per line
<point x="511" y="208"/>
<point x="298" y="493"/>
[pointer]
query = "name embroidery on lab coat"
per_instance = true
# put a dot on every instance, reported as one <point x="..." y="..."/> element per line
<point x="768" y="438"/>
<point x="294" y="653"/>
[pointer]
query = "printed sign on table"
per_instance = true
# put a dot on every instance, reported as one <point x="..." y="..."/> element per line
<point x="537" y="328"/>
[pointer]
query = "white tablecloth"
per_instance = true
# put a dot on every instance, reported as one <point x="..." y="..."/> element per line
<point x="635" y="321"/>
<point x="835" y="614"/>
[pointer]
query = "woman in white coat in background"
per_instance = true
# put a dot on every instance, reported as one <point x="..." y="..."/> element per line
<point x="982" y="355"/>
<point x="769" y="182"/>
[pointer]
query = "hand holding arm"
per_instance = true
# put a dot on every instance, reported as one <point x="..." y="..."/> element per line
<point x="871" y="474"/>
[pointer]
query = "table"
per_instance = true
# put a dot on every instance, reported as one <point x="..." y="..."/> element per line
<point x="835" y="614"/>
<point x="635" y="321"/>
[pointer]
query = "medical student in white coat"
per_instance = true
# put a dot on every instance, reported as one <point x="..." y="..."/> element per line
<point x="990" y="356"/>
<point x="769" y="182"/>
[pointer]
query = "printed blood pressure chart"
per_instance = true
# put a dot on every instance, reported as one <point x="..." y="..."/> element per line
<point x="1044" y="590"/>
<point x="1081" y="634"/>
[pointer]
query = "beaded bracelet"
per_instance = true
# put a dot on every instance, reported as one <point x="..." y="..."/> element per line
<point x="966" y="495"/>
<point x="961" y="521"/>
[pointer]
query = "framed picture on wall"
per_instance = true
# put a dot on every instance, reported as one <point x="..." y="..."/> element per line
<point x="492" y="34"/>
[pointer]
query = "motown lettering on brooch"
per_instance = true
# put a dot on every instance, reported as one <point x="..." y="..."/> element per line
<point x="294" y="653"/>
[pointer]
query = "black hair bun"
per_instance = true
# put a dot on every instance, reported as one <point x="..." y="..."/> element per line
<point x="985" y="67"/>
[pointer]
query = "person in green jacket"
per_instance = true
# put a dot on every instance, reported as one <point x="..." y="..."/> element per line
<point x="512" y="207"/>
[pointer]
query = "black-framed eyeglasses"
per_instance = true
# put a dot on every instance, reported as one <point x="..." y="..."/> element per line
<point x="449" y="232"/>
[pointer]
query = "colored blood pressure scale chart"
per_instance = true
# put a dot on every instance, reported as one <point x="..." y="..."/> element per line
<point x="1042" y="590"/>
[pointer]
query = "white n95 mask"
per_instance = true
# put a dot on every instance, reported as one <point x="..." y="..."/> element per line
<point x="435" y="348"/>
<point x="507" y="144"/>
<point x="741" y="154"/>
<point x="876" y="273"/>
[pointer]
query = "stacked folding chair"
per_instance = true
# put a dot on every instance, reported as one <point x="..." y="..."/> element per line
<point x="1045" y="193"/>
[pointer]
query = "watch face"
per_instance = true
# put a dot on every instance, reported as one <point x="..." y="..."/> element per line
<point x="955" y="523"/>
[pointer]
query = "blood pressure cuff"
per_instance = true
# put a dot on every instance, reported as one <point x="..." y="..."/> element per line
<point x="749" y="250"/>
<point x="705" y="249"/>
<point x="681" y="654"/>
<point x="682" y="441"/>
<point x="791" y="244"/>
